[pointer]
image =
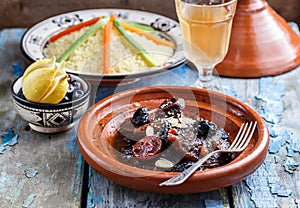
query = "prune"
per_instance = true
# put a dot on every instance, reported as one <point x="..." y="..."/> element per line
<point x="224" y="134"/>
<point x="218" y="160"/>
<point x="147" y="147"/>
<point x="127" y="152"/>
<point x="74" y="91"/>
<point x="70" y="88"/>
<point x="20" y="94"/>
<point x="77" y="85"/>
<point x="171" y="108"/>
<point x="78" y="93"/>
<point x="181" y="166"/>
<point x="204" y="128"/>
<point x="140" y="117"/>
<point x="163" y="132"/>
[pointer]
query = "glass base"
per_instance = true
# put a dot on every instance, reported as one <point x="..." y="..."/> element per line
<point x="214" y="83"/>
<point x="53" y="130"/>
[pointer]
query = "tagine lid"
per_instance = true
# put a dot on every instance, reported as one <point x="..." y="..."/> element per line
<point x="262" y="43"/>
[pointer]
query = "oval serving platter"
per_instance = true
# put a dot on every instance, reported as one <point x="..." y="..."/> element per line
<point x="36" y="38"/>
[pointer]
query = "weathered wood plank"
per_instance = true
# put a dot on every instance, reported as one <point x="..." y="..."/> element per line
<point x="24" y="13"/>
<point x="276" y="182"/>
<point x="30" y="12"/>
<point x="107" y="194"/>
<point x="46" y="171"/>
<point x="36" y="170"/>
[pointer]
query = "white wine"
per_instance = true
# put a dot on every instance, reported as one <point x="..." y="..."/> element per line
<point x="206" y="33"/>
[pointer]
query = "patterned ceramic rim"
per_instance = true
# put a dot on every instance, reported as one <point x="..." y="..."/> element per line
<point x="36" y="37"/>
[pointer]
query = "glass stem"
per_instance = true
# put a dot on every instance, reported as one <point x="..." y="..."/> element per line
<point x="205" y="74"/>
<point x="205" y="77"/>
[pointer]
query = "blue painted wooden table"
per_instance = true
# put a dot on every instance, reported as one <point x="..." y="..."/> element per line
<point x="40" y="170"/>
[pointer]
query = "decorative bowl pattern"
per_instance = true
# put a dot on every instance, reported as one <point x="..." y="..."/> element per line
<point x="51" y="118"/>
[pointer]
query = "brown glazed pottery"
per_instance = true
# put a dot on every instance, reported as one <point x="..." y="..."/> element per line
<point x="99" y="124"/>
<point x="262" y="43"/>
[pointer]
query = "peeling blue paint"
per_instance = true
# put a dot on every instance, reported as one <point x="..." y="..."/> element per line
<point x="291" y="165"/>
<point x="272" y="108"/>
<point x="29" y="200"/>
<point x="280" y="190"/>
<point x="266" y="89"/>
<point x="297" y="202"/>
<point x="19" y="165"/>
<point x="278" y="139"/>
<point x="271" y="104"/>
<point x="290" y="151"/>
<point x="283" y="192"/>
<point x="71" y="142"/>
<point x="15" y="34"/>
<point x="294" y="144"/>
<point x="229" y="90"/>
<point x="259" y="186"/>
<point x="8" y="139"/>
<point x="276" y="144"/>
<point x="274" y="132"/>
<point x="73" y="147"/>
<point x="277" y="189"/>
<point x="272" y="112"/>
<point x="2" y="149"/>
<point x="18" y="190"/>
<point x="30" y="172"/>
<point x="262" y="191"/>
<point x="17" y="69"/>
<point x="90" y="201"/>
<point x="276" y="158"/>
<point x="273" y="180"/>
<point x="214" y="204"/>
<point x="94" y="198"/>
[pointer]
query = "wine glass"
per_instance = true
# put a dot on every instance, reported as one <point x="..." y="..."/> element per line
<point x="206" y="27"/>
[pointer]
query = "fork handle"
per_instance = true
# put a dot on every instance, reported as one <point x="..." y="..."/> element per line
<point x="184" y="175"/>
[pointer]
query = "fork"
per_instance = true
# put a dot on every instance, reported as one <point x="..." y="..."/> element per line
<point x="240" y="143"/>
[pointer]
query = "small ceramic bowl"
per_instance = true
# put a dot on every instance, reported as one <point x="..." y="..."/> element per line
<point x="97" y="129"/>
<point x="51" y="118"/>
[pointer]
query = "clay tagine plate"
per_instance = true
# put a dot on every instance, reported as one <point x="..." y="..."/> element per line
<point x="98" y="126"/>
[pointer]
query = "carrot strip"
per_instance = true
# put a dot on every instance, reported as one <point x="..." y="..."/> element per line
<point x="81" y="39"/>
<point x="73" y="28"/>
<point x="145" y="28"/>
<point x="106" y="43"/>
<point x="145" y="55"/>
<point x="147" y="35"/>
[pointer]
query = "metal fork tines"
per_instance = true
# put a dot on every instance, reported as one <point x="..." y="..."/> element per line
<point x="240" y="143"/>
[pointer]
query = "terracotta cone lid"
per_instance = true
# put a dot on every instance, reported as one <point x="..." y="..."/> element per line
<point x="262" y="43"/>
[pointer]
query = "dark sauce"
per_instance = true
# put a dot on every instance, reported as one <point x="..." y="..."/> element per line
<point x="182" y="145"/>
